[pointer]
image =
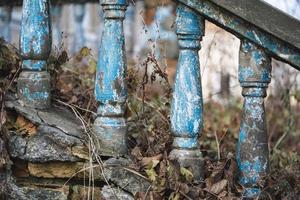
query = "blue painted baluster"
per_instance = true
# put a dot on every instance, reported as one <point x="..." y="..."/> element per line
<point x="79" y="39"/>
<point x="56" y="20"/>
<point x="128" y="28"/>
<point x="187" y="105"/>
<point x="5" y="19"/>
<point x="110" y="87"/>
<point x="35" y="47"/>
<point x="252" y="151"/>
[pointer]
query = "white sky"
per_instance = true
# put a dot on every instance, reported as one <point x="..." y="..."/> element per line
<point x="291" y="7"/>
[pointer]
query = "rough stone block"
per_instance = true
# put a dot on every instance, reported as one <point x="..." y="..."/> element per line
<point x="117" y="171"/>
<point x="82" y="193"/>
<point x="59" y="135"/>
<point x="78" y="170"/>
<point x="45" y="193"/>
<point x="113" y="193"/>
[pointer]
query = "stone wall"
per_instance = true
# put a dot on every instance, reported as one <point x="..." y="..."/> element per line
<point x="46" y="155"/>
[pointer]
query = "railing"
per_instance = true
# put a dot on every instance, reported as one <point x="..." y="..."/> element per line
<point x="260" y="41"/>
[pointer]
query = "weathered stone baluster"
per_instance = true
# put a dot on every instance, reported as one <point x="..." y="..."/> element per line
<point x="138" y="28"/>
<point x="252" y="151"/>
<point x="5" y="19"/>
<point x="128" y="28"/>
<point x="110" y="87"/>
<point x="35" y="47"/>
<point x="79" y="38"/>
<point x="187" y="105"/>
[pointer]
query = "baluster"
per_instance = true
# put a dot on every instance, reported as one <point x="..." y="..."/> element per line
<point x="101" y="23"/>
<point x="138" y="28"/>
<point x="79" y="39"/>
<point x="252" y="151"/>
<point x="128" y="27"/>
<point x="110" y="87"/>
<point x="56" y="17"/>
<point x="35" y="47"/>
<point x="187" y="104"/>
<point x="5" y="19"/>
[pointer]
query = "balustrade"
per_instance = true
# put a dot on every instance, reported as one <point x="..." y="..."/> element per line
<point x="79" y="38"/>
<point x="5" y="19"/>
<point x="257" y="47"/>
<point x="56" y="20"/>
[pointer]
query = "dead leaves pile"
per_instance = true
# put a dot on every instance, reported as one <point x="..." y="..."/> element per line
<point x="150" y="138"/>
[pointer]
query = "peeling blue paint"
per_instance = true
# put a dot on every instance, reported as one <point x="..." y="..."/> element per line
<point x="110" y="86"/>
<point x="251" y="192"/>
<point x="35" y="35"/>
<point x="255" y="64"/>
<point x="243" y="135"/>
<point x="245" y="73"/>
<point x="245" y="30"/>
<point x="33" y="96"/>
<point x="187" y="101"/>
<point x="35" y="65"/>
<point x="187" y="104"/>
<point x="35" y="47"/>
<point x="186" y="143"/>
<point x="252" y="148"/>
<point x="111" y="67"/>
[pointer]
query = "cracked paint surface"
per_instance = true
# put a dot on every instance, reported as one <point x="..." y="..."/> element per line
<point x="187" y="104"/>
<point x="252" y="148"/>
<point x="110" y="86"/>
<point x="35" y="47"/>
<point x="35" y="36"/>
<point x="187" y="101"/>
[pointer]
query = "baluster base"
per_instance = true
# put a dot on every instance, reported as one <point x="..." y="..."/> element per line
<point x="111" y="133"/>
<point x="190" y="159"/>
<point x="251" y="193"/>
<point x="34" y="89"/>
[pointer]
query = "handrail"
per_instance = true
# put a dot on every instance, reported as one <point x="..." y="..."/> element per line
<point x="243" y="24"/>
<point x="53" y="2"/>
<point x="259" y="42"/>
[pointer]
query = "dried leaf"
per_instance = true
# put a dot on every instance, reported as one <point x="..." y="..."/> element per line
<point x="218" y="187"/>
<point x="85" y="52"/>
<point x="92" y="66"/>
<point x="24" y="126"/>
<point x="152" y="164"/>
<point x="188" y="175"/>
<point x="146" y="160"/>
<point x="152" y="175"/>
<point x="174" y="196"/>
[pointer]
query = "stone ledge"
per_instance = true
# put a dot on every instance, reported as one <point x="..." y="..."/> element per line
<point x="78" y="170"/>
<point x="59" y="136"/>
